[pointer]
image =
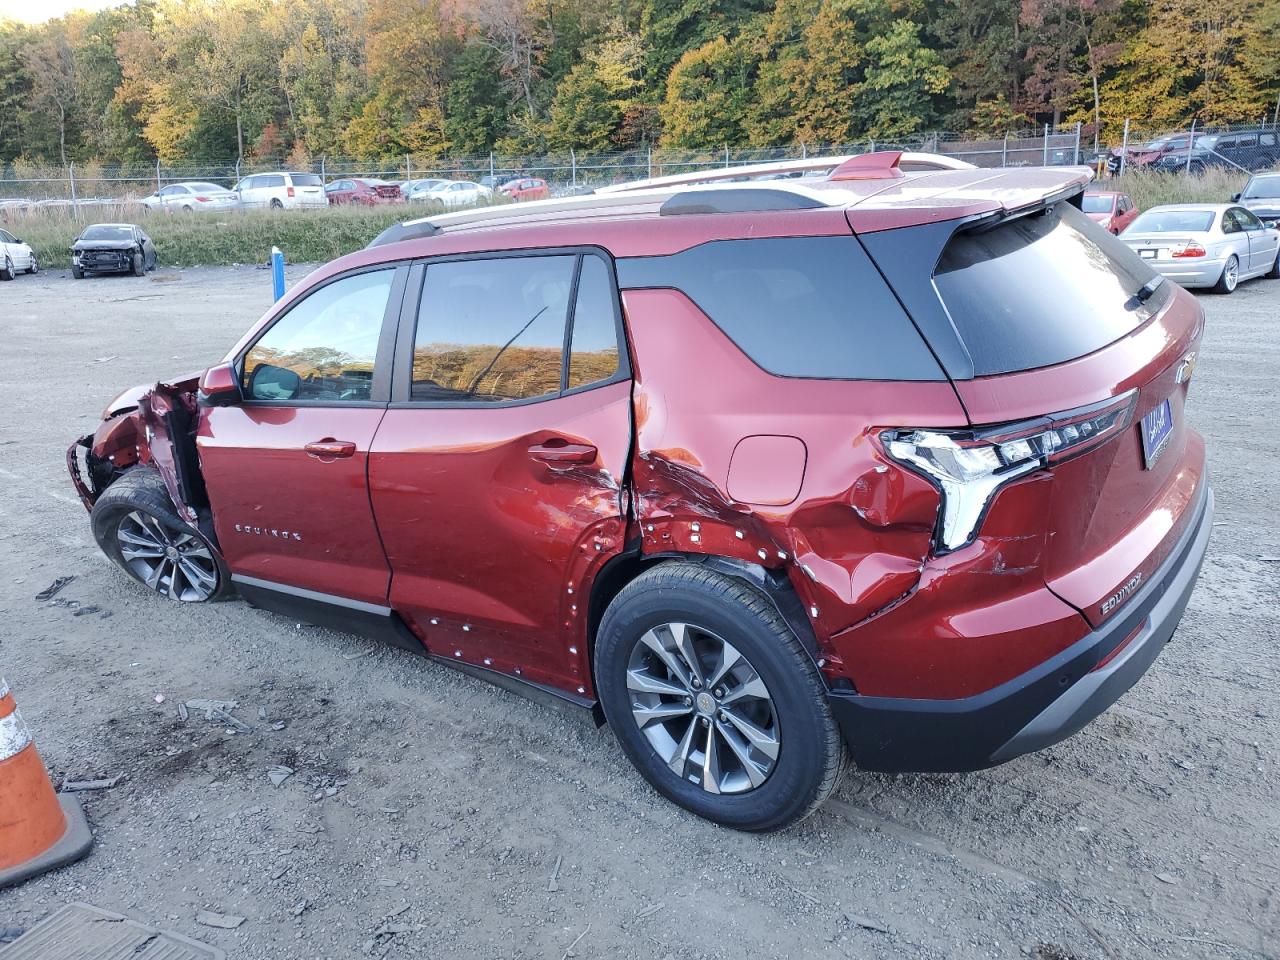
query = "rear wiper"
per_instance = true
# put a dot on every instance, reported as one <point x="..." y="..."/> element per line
<point x="1146" y="291"/>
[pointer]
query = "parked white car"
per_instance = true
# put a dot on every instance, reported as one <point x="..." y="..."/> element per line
<point x="460" y="193"/>
<point x="419" y="190"/>
<point x="282" y="191"/>
<point x="196" y="196"/>
<point x="1214" y="245"/>
<point x="15" y="257"/>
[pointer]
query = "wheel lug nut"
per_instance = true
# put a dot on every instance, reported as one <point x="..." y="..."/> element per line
<point x="719" y="692"/>
<point x="723" y="717"/>
<point x="696" y="684"/>
<point x="706" y="721"/>
<point x="688" y="701"/>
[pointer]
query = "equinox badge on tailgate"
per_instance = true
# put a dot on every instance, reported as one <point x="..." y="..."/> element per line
<point x="1121" y="595"/>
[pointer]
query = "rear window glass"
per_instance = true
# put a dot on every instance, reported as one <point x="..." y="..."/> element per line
<point x="1096" y="204"/>
<point x="1172" y="221"/>
<point x="1041" y="290"/>
<point x="305" y="180"/>
<point x="813" y="307"/>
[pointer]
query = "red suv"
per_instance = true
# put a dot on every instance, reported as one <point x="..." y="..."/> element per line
<point x="892" y="465"/>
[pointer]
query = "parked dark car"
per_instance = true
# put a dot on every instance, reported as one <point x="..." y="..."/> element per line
<point x="1261" y="196"/>
<point x="1252" y="150"/>
<point x="364" y="192"/>
<point x="759" y="474"/>
<point x="112" y="248"/>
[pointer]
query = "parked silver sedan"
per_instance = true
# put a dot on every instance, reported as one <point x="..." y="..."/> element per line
<point x="1205" y="245"/>
<point x="192" y="197"/>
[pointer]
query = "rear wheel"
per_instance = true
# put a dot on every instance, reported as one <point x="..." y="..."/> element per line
<point x="1230" y="276"/>
<point x="277" y="205"/>
<point x="135" y="525"/>
<point x="713" y="699"/>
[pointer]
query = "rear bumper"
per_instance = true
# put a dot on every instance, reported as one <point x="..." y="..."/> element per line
<point x="1042" y="706"/>
<point x="1200" y="273"/>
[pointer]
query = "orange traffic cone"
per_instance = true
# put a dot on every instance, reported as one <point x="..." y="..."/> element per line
<point x="39" y="829"/>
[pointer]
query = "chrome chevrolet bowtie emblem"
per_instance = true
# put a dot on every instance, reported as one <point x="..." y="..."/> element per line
<point x="1185" y="369"/>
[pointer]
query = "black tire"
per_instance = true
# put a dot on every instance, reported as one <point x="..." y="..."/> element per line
<point x="141" y="493"/>
<point x="6" y="269"/>
<point x="138" y="265"/>
<point x="276" y="205"/>
<point x="811" y="754"/>
<point x="1230" y="278"/>
<point x="77" y="272"/>
<point x="1274" y="272"/>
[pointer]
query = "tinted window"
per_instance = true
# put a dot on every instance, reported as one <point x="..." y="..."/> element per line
<point x="1096" y="204"/>
<point x="492" y="330"/>
<point x="105" y="232"/>
<point x="323" y="349"/>
<point x="305" y="180"/>
<point x="593" y="354"/>
<point x="1041" y="290"/>
<point x="1172" y="221"/>
<point x="1247" y="220"/>
<point x="1231" y="223"/>
<point x="799" y="306"/>
<point x="270" y="180"/>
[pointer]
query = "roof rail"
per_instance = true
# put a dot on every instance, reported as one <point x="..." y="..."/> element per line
<point x="412" y="230"/>
<point x="882" y="165"/>
<point x="740" y="200"/>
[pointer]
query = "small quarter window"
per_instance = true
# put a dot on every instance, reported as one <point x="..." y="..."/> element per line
<point x="492" y="330"/>
<point x="593" y="353"/>
<point x="323" y="349"/>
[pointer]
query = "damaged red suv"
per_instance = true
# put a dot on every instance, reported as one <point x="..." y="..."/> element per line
<point x="886" y="465"/>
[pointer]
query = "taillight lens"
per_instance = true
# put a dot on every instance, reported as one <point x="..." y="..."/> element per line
<point x="970" y="466"/>
<point x="1192" y="249"/>
<point x="289" y="191"/>
<point x="202" y="199"/>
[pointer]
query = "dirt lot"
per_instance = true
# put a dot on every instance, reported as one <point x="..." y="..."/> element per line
<point x="1154" y="833"/>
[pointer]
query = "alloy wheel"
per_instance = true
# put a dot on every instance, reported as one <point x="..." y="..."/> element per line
<point x="704" y="708"/>
<point x="1232" y="276"/>
<point x="173" y="562"/>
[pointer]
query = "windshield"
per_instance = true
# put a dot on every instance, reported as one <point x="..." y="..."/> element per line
<point x="1172" y="221"/>
<point x="1040" y="290"/>
<point x="104" y="232"/>
<point x="1262" y="188"/>
<point x="1157" y="144"/>
<point x="1095" y="203"/>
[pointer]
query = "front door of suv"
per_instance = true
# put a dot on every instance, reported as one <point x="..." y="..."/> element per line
<point x="497" y="474"/>
<point x="286" y="468"/>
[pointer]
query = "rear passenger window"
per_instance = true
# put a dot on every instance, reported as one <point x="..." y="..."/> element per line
<point x="323" y="349"/>
<point x="492" y="330"/>
<point x="811" y="307"/>
<point x="593" y="354"/>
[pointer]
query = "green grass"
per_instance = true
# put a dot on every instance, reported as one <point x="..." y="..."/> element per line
<point x="1151" y="188"/>
<point x="237" y="237"/>
<point x="309" y="237"/>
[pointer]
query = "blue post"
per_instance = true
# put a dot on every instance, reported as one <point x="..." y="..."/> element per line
<point x="277" y="272"/>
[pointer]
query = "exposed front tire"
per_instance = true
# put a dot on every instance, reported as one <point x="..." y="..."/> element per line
<point x="714" y="700"/>
<point x="138" y="265"/>
<point x="1274" y="272"/>
<point x="1230" y="278"/>
<point x="135" y="525"/>
<point x="77" y="272"/>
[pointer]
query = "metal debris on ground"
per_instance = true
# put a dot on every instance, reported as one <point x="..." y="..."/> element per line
<point x="79" y="786"/>
<point x="223" y="921"/>
<point x="89" y="933"/>
<point x="554" y="883"/>
<point x="279" y="773"/>
<point x="212" y="707"/>
<point x="866" y="923"/>
<point x="51" y="591"/>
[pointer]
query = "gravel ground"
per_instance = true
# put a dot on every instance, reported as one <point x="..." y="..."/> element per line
<point x="433" y="815"/>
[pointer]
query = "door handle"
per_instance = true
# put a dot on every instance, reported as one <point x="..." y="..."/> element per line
<point x="562" y="451"/>
<point x="330" y="449"/>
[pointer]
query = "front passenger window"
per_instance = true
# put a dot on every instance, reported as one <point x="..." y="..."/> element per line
<point x="323" y="349"/>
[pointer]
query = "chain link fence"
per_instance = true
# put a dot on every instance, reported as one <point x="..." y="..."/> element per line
<point x="28" y="186"/>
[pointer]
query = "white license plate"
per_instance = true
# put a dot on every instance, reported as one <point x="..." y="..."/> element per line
<point x="1147" y="254"/>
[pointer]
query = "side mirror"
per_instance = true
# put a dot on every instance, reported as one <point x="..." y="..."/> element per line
<point x="1235" y="198"/>
<point x="219" y="386"/>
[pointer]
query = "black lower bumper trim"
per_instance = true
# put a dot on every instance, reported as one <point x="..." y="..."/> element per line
<point x="1038" y="708"/>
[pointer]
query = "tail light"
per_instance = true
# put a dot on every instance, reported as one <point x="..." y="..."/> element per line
<point x="1191" y="249"/>
<point x="970" y="466"/>
<point x="202" y="199"/>
<point x="289" y="192"/>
